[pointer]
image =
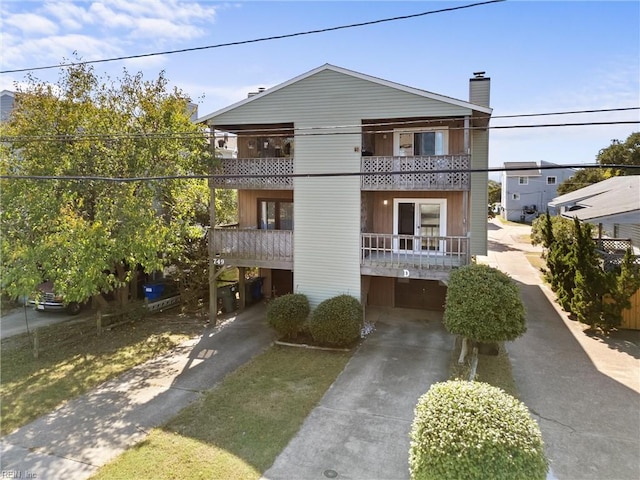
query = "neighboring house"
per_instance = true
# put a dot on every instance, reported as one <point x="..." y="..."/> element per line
<point x="356" y="185"/>
<point x="7" y="100"/>
<point x="527" y="188"/>
<point x="613" y="205"/>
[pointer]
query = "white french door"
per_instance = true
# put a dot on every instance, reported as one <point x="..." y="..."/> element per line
<point x="418" y="222"/>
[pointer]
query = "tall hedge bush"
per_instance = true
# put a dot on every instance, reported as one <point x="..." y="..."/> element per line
<point x="472" y="430"/>
<point x="483" y="304"/>
<point x="287" y="314"/>
<point x="337" y="321"/>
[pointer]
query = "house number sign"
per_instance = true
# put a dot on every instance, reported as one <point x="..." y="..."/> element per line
<point x="218" y="261"/>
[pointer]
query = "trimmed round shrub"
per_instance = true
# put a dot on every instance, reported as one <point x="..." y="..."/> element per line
<point x="287" y="314"/>
<point x="472" y="430"/>
<point x="336" y="322"/>
<point x="483" y="304"/>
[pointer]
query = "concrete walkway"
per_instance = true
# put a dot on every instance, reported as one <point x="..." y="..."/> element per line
<point x="76" y="439"/>
<point x="360" y="428"/>
<point x="583" y="390"/>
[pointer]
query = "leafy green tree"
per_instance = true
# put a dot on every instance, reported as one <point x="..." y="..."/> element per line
<point x="622" y="153"/>
<point x="625" y="153"/>
<point x="582" y="178"/>
<point x="495" y="192"/>
<point x="87" y="235"/>
<point x="483" y="305"/>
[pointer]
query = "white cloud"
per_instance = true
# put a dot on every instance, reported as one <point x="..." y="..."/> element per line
<point x="31" y="23"/>
<point x="69" y="15"/>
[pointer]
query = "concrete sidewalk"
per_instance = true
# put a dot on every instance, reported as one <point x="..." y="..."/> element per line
<point x="583" y="390"/>
<point x="76" y="439"/>
<point x="360" y="429"/>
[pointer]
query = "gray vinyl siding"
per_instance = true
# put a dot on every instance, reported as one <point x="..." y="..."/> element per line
<point x="629" y="231"/>
<point x="479" y="191"/>
<point x="334" y="96"/>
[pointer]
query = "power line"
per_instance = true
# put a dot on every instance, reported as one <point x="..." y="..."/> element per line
<point x="287" y="132"/>
<point x="301" y="175"/>
<point x="256" y="40"/>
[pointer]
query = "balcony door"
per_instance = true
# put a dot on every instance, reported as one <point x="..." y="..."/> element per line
<point x="418" y="224"/>
<point x="275" y="214"/>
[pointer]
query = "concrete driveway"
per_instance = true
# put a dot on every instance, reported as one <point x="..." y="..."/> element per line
<point x="583" y="389"/>
<point x="360" y="429"/>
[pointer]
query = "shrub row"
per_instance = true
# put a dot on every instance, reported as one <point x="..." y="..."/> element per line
<point x="336" y="322"/>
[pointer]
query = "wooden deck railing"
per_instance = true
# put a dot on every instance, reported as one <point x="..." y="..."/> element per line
<point x="263" y="247"/>
<point x="249" y="173"/>
<point x="435" y="172"/>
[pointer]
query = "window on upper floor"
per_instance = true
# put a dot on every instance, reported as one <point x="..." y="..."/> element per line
<point x="523" y="180"/>
<point x="410" y="142"/>
<point x="551" y="180"/>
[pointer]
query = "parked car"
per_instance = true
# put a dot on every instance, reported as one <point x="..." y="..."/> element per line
<point x="47" y="300"/>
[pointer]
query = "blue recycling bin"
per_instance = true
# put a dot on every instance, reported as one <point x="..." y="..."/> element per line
<point x="153" y="291"/>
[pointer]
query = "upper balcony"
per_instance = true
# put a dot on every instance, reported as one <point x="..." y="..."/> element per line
<point x="416" y="173"/>
<point x="255" y="173"/>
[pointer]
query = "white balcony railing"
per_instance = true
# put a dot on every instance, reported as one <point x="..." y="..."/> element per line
<point x="411" y="251"/>
<point x="434" y="172"/>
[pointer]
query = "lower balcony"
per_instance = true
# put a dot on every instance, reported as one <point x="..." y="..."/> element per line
<point x="255" y="248"/>
<point x="386" y="255"/>
<point x="412" y="256"/>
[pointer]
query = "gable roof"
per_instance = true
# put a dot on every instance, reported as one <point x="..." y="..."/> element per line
<point x="530" y="169"/>
<point x="362" y="76"/>
<point x="616" y="199"/>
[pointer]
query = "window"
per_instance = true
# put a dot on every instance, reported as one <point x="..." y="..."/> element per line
<point x="420" y="142"/>
<point x="523" y="180"/>
<point x="515" y="196"/>
<point x="551" y="180"/>
<point x="275" y="214"/>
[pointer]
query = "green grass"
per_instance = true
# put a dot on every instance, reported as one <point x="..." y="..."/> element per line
<point x="237" y="429"/>
<point x="492" y="369"/>
<point x="78" y="360"/>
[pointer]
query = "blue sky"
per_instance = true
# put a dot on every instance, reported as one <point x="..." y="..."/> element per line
<point x="541" y="56"/>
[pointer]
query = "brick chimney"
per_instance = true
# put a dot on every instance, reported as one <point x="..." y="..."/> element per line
<point x="479" y="89"/>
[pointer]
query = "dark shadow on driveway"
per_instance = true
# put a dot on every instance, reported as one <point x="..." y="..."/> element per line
<point x="589" y="420"/>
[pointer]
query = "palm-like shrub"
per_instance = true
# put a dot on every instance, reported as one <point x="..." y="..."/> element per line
<point x="472" y="430"/>
<point x="337" y="321"/>
<point x="287" y="314"/>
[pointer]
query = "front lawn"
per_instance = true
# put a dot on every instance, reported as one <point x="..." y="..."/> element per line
<point x="237" y="429"/>
<point x="77" y="360"/>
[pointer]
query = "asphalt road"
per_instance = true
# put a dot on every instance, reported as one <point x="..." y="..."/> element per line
<point x="15" y="321"/>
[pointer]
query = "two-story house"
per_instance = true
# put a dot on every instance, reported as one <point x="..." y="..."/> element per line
<point x="527" y="188"/>
<point x="351" y="184"/>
